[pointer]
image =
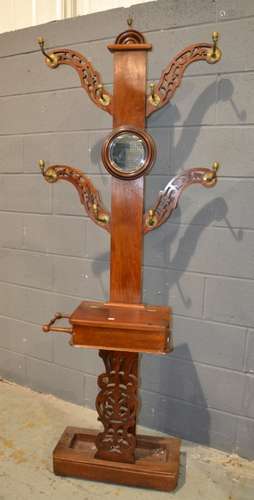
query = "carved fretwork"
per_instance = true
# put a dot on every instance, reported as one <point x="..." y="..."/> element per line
<point x="89" y="196"/>
<point x="90" y="79"/>
<point x="168" y="198"/>
<point x="116" y="405"/>
<point x="171" y="77"/>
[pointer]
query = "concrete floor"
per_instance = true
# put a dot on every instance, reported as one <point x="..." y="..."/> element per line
<point x="31" y="424"/>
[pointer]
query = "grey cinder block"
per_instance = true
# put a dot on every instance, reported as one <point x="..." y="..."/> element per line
<point x="194" y="104"/>
<point x="248" y="400"/>
<point x="230" y="300"/>
<point x="11" y="149"/>
<point x="249" y="361"/>
<point x="235" y="104"/>
<point x="12" y="229"/>
<point x="196" y="423"/>
<point x="25" y="338"/>
<point x="217" y="344"/>
<point x="53" y="234"/>
<point x="31" y="304"/>
<point x="23" y="193"/>
<point x="194" y="383"/>
<point x="87" y="361"/>
<point x="195" y="146"/>
<point x="13" y="366"/>
<point x="67" y="148"/>
<point x="245" y="438"/>
<point x="80" y="277"/>
<point x="198" y="248"/>
<point x="233" y="9"/>
<point x="54" y="379"/>
<point x="26" y="268"/>
<point x="181" y="291"/>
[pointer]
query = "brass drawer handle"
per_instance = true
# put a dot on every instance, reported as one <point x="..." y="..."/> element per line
<point x="50" y="328"/>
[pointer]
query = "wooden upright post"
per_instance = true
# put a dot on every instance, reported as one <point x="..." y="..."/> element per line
<point x="126" y="251"/>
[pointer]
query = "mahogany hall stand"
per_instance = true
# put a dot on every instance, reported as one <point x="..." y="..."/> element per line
<point x="123" y="326"/>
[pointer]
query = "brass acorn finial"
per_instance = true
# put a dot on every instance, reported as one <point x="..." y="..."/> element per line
<point x="130" y="21"/>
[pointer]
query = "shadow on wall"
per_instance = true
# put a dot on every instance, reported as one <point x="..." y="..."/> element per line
<point x="172" y="399"/>
<point x="215" y="210"/>
<point x="185" y="144"/>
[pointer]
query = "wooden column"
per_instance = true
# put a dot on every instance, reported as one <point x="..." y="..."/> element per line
<point x="127" y="196"/>
<point x="118" y="441"/>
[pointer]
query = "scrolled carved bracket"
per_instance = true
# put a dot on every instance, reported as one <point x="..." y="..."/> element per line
<point x="172" y="76"/>
<point x="90" y="78"/>
<point x="169" y="197"/>
<point x="89" y="196"/>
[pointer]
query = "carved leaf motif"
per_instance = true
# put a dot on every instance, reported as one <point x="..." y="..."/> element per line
<point x="116" y="405"/>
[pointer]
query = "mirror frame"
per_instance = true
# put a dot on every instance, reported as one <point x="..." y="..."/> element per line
<point x="150" y="153"/>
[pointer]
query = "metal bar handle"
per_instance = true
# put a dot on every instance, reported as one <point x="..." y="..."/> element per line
<point x="50" y="328"/>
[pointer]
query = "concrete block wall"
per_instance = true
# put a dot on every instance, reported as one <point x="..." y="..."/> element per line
<point x="200" y="262"/>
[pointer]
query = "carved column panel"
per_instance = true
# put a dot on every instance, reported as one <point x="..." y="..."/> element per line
<point x="116" y="405"/>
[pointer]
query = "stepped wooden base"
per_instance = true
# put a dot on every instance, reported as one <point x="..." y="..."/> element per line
<point x="156" y="466"/>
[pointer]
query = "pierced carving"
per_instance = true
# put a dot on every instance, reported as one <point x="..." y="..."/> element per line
<point x="169" y="197"/>
<point x="116" y="405"/>
<point x="89" y="196"/>
<point x="172" y="76"/>
<point x="90" y="79"/>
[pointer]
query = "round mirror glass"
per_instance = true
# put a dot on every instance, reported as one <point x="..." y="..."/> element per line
<point x="128" y="152"/>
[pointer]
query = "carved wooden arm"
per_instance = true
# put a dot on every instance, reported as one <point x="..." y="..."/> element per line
<point x="168" y="198"/>
<point x="89" y="196"/>
<point x="90" y="79"/>
<point x="172" y="76"/>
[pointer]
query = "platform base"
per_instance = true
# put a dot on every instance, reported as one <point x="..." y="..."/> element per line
<point x="156" y="466"/>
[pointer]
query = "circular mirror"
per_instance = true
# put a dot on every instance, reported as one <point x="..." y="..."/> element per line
<point x="128" y="152"/>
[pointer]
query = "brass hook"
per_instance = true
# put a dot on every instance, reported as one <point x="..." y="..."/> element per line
<point x="100" y="217"/>
<point x="154" y="98"/>
<point x="95" y="210"/>
<point x="151" y="219"/>
<point x="214" y="53"/>
<point x="41" y="164"/>
<point x="130" y="21"/>
<point x="212" y="175"/>
<point x="103" y="98"/>
<point x="50" y="174"/>
<point x="52" y="60"/>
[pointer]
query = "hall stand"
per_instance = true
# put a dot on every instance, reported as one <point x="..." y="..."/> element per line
<point x="123" y="327"/>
